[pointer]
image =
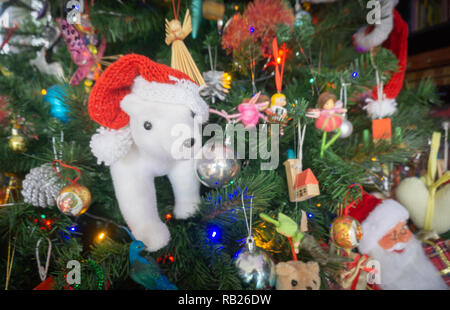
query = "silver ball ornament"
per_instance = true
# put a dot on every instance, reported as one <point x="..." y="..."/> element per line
<point x="218" y="166"/>
<point x="346" y="129"/>
<point x="255" y="267"/>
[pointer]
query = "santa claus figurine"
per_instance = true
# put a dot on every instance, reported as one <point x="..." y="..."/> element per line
<point x="388" y="240"/>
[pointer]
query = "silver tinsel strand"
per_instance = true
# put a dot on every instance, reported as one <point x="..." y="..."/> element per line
<point x="41" y="186"/>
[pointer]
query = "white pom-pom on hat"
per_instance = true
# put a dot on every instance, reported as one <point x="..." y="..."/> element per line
<point x="380" y="108"/>
<point x="109" y="145"/>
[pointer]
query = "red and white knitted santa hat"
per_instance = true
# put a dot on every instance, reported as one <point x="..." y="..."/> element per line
<point x="392" y="33"/>
<point x="377" y="217"/>
<point x="397" y="42"/>
<point x="150" y="80"/>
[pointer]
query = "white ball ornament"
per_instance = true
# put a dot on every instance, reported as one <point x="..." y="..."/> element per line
<point x="346" y="129"/>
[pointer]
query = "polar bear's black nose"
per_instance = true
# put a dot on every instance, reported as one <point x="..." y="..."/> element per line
<point x="189" y="142"/>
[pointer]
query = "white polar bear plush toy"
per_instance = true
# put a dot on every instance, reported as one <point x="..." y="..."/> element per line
<point x="149" y="113"/>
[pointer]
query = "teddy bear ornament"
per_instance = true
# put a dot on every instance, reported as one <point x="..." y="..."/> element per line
<point x="297" y="275"/>
<point x="150" y="115"/>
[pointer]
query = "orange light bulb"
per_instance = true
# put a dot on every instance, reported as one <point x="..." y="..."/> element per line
<point x="101" y="236"/>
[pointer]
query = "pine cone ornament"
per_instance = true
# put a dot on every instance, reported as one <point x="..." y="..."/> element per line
<point x="41" y="186"/>
<point x="217" y="84"/>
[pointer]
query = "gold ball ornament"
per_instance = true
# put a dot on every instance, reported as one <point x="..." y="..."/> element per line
<point x="74" y="200"/>
<point x="17" y="142"/>
<point x="213" y="10"/>
<point x="346" y="232"/>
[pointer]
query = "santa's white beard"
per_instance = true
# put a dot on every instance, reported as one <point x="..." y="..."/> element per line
<point x="409" y="270"/>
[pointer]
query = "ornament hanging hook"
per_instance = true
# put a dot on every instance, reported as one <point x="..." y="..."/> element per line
<point x="41" y="269"/>
<point x="248" y="222"/>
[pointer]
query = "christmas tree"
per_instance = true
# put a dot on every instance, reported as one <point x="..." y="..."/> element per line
<point x="325" y="114"/>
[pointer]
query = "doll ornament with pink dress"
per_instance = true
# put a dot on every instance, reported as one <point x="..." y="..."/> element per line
<point x="328" y="118"/>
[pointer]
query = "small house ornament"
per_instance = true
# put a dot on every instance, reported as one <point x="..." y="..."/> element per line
<point x="302" y="185"/>
<point x="306" y="185"/>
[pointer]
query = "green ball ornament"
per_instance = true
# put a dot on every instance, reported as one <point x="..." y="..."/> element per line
<point x="303" y="28"/>
<point x="302" y="17"/>
<point x="284" y="33"/>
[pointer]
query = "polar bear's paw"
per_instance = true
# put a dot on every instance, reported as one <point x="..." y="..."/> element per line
<point x="154" y="235"/>
<point x="185" y="209"/>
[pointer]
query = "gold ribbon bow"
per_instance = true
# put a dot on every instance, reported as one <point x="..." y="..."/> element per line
<point x="353" y="270"/>
<point x="428" y="179"/>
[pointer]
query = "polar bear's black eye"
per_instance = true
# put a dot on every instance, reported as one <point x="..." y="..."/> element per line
<point x="294" y="283"/>
<point x="192" y="114"/>
<point x="147" y="125"/>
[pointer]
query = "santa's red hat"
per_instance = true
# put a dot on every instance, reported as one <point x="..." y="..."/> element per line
<point x="397" y="42"/>
<point x="377" y="217"/>
<point x="150" y="80"/>
<point x="392" y="33"/>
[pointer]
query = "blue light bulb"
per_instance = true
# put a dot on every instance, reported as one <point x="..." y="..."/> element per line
<point x="214" y="233"/>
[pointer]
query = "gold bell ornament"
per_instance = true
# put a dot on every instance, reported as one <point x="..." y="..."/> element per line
<point x="17" y="142"/>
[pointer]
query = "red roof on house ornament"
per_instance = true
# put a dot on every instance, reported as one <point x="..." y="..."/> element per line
<point x="304" y="178"/>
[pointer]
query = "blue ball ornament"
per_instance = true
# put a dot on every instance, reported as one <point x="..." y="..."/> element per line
<point x="56" y="96"/>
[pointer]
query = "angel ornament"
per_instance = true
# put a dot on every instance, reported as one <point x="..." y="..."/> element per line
<point x="181" y="58"/>
<point x="328" y="118"/>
